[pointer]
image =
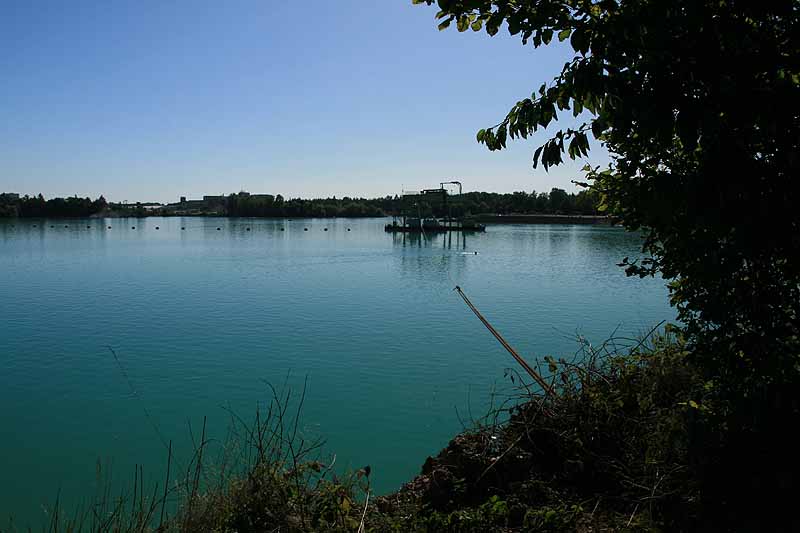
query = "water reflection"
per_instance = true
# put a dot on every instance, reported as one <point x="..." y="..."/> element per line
<point x="448" y="240"/>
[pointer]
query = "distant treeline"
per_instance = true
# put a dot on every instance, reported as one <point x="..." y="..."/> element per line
<point x="12" y="205"/>
<point x="269" y="206"/>
<point x="557" y="201"/>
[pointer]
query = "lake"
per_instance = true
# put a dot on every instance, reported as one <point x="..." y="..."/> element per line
<point x="202" y="318"/>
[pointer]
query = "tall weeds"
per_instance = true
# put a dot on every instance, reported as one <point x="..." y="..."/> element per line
<point x="265" y="476"/>
<point x="606" y="446"/>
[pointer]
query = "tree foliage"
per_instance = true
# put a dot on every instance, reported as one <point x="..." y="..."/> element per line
<point x="269" y="206"/>
<point x="696" y="102"/>
<point x="557" y="201"/>
<point x="37" y="206"/>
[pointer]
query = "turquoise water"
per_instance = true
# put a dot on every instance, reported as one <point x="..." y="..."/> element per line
<point x="201" y="318"/>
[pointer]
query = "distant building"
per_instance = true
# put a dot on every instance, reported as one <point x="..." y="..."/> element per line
<point x="214" y="203"/>
<point x="245" y="194"/>
<point x="188" y="205"/>
<point x="214" y="200"/>
<point x="267" y="197"/>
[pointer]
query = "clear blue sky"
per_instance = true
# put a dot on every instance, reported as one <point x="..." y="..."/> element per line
<point x="154" y="100"/>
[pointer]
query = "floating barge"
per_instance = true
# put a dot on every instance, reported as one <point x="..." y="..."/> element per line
<point x="418" y="212"/>
<point x="433" y="225"/>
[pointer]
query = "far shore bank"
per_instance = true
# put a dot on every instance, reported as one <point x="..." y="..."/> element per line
<point x="541" y="218"/>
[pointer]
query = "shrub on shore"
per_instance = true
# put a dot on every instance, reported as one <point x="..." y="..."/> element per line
<point x="607" y="451"/>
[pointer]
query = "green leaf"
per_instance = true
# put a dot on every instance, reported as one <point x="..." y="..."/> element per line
<point x="579" y="41"/>
<point x="477" y="25"/>
<point x="463" y="23"/>
<point x="501" y="136"/>
<point x="584" y="144"/>
<point x="547" y="36"/>
<point x="444" y="24"/>
<point x="597" y="128"/>
<point x="493" y="23"/>
<point x="563" y="34"/>
<point x="536" y="155"/>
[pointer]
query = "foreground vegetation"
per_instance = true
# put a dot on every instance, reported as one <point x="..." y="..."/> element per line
<point x="623" y="441"/>
<point x="607" y="448"/>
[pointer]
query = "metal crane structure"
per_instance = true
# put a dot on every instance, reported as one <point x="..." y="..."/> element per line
<point x="444" y="193"/>
<point x="460" y="191"/>
<point x="414" y="220"/>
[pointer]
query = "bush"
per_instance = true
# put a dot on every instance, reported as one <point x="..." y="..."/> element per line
<point x="609" y="448"/>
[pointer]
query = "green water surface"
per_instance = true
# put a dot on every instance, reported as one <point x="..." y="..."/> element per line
<point x="202" y="317"/>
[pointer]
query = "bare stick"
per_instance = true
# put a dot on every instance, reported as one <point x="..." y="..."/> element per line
<point x="528" y="368"/>
<point x="363" y="516"/>
<point x="632" y="515"/>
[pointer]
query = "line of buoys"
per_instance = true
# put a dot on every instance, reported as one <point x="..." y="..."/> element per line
<point x="183" y="228"/>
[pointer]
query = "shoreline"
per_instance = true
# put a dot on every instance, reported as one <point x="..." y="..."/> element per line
<point x="543" y="218"/>
<point x="539" y="218"/>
